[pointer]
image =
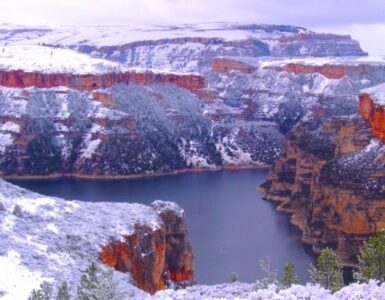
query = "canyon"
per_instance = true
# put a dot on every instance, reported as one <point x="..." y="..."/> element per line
<point x="122" y="102"/>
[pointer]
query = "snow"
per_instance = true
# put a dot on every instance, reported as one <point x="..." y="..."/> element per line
<point x="10" y="126"/>
<point x="5" y="141"/>
<point x="30" y="58"/>
<point x="238" y="290"/>
<point x="376" y="93"/>
<point x="232" y="153"/>
<point x="15" y="279"/>
<point x="165" y="206"/>
<point x="90" y="146"/>
<point x="190" y="153"/>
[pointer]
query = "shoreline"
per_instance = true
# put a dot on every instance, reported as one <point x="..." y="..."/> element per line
<point x="133" y="176"/>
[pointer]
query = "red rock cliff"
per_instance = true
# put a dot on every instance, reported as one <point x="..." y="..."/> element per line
<point x="226" y="65"/>
<point x="328" y="70"/>
<point x="374" y="114"/>
<point x="155" y="257"/>
<point x="88" y="82"/>
<point x="330" y="179"/>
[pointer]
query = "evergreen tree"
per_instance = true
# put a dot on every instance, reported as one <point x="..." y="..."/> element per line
<point x="289" y="278"/>
<point x="43" y="293"/>
<point x="63" y="292"/>
<point x="89" y="283"/>
<point x="371" y="259"/>
<point x="328" y="270"/>
<point x="96" y="284"/>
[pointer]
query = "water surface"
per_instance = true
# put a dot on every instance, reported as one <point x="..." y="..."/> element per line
<point x="230" y="226"/>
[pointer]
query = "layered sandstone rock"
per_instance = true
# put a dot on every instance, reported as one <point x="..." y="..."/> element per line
<point x="154" y="257"/>
<point x="331" y="71"/>
<point x="88" y="82"/>
<point x="373" y="113"/>
<point x="330" y="178"/>
<point x="225" y="65"/>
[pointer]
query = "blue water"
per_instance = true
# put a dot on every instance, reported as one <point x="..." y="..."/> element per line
<point x="230" y="226"/>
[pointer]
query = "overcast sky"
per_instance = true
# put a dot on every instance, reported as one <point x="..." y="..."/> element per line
<point x="363" y="19"/>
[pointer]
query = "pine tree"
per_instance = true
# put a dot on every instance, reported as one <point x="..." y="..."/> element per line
<point x="63" y="292"/>
<point x="328" y="270"/>
<point x="97" y="284"/>
<point x="43" y="293"/>
<point x="371" y="259"/>
<point x="89" y="283"/>
<point x="289" y="278"/>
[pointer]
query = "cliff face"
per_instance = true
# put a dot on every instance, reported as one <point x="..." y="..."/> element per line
<point x="317" y="44"/>
<point x="327" y="70"/>
<point x="225" y="65"/>
<point x="374" y="114"/>
<point x="88" y="82"/>
<point x="330" y="178"/>
<point x="154" y="257"/>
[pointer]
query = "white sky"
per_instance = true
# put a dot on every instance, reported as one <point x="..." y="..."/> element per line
<point x="363" y="19"/>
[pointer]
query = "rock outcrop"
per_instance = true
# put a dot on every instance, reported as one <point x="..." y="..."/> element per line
<point x="154" y="257"/>
<point x="88" y="82"/>
<point x="331" y="71"/>
<point x="225" y="65"/>
<point x="330" y="178"/>
<point x="372" y="109"/>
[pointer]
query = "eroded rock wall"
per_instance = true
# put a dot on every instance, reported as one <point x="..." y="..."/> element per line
<point x="374" y="114"/>
<point x="88" y="82"/>
<point x="154" y="257"/>
<point x="330" y="179"/>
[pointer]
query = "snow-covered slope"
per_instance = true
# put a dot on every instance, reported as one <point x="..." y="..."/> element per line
<point x="376" y="93"/>
<point x="46" y="238"/>
<point x="31" y="58"/>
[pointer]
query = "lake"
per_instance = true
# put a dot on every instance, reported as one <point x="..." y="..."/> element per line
<point x="230" y="226"/>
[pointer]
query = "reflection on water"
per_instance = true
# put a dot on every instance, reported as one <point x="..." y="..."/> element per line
<point x="230" y="226"/>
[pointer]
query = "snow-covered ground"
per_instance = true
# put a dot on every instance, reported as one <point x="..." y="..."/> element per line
<point x="31" y="58"/>
<point x="371" y="290"/>
<point x="44" y="59"/>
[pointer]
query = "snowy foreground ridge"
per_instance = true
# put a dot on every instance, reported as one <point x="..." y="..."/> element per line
<point x="48" y="239"/>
